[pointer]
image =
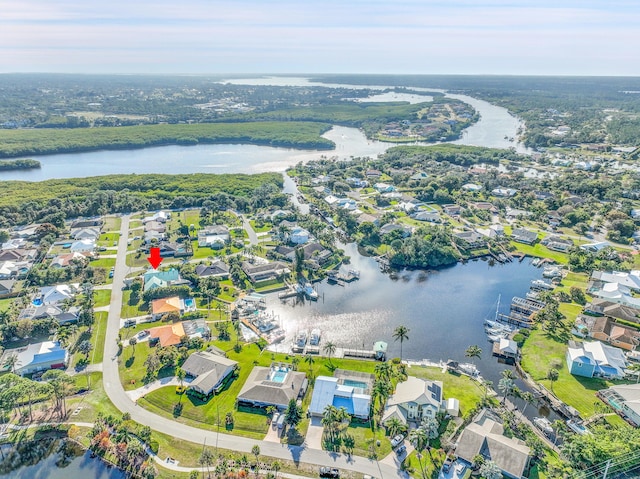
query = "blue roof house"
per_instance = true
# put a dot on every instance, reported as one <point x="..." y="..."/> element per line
<point x="340" y="392"/>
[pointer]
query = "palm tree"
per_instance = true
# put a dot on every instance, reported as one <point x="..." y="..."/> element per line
<point x="276" y="467"/>
<point x="309" y="359"/>
<point x="508" y="373"/>
<point x="419" y="440"/>
<point x="401" y="333"/>
<point x="206" y="459"/>
<point x="552" y="375"/>
<point x="255" y="450"/>
<point x="473" y="351"/>
<point x="506" y="387"/>
<point x="12" y="362"/>
<point x="384" y="371"/>
<point x="528" y="398"/>
<point x="330" y="349"/>
<point x="181" y="374"/>
<point x="395" y="426"/>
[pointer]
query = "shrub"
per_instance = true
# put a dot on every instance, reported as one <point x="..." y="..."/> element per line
<point x="154" y="446"/>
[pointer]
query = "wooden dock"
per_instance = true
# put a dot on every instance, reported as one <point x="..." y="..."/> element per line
<point x="526" y="306"/>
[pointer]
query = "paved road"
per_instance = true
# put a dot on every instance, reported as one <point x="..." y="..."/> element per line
<point x="123" y="402"/>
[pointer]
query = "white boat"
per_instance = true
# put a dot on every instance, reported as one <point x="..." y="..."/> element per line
<point x="532" y="295"/>
<point x="535" y="262"/>
<point x="538" y="283"/>
<point x="354" y="273"/>
<point x="552" y="272"/>
<point x="468" y="368"/>
<point x="577" y="427"/>
<point x="301" y="340"/>
<point x="314" y="339"/>
<point x="543" y="424"/>
<point x="309" y="292"/>
<point x="276" y="336"/>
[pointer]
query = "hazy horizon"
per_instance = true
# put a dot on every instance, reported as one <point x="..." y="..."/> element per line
<point x="242" y="37"/>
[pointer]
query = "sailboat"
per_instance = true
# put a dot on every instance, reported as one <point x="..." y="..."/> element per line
<point x="494" y="323"/>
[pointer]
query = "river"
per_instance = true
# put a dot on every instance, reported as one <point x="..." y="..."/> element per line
<point x="494" y="125"/>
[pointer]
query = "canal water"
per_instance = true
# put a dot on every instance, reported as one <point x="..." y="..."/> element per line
<point x="59" y="466"/>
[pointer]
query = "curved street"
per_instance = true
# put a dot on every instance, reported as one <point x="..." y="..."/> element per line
<point x="118" y="396"/>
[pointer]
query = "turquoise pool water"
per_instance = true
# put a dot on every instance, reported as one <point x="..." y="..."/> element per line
<point x="278" y="376"/>
<point x="189" y="303"/>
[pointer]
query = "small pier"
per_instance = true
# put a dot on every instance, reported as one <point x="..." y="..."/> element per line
<point x="516" y="319"/>
<point x="337" y="277"/>
<point x="359" y="353"/>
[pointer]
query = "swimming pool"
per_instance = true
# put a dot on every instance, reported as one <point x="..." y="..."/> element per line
<point x="189" y="303"/>
<point x="355" y="384"/>
<point x="278" y="376"/>
<point x="37" y="302"/>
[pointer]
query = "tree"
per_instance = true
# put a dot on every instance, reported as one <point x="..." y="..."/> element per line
<point x="181" y="374"/>
<point x="490" y="470"/>
<point x="552" y="375"/>
<point x="395" y="426"/>
<point x="11" y="362"/>
<point x="528" y="398"/>
<point x="293" y="413"/>
<point x="62" y="385"/>
<point x="330" y="349"/>
<point x="401" y="333"/>
<point x="206" y="459"/>
<point x="132" y="342"/>
<point x="255" y="450"/>
<point x="419" y="440"/>
<point x="85" y="348"/>
<point x="309" y="359"/>
<point x="276" y="466"/>
<point x="473" y="351"/>
<point x="505" y="385"/>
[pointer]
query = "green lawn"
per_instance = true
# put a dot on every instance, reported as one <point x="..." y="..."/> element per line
<point x="112" y="223"/>
<point x="461" y="387"/>
<point x="5" y="303"/>
<point x="94" y="402"/>
<point x="103" y="263"/>
<point x="362" y="433"/>
<point x="261" y="229"/>
<point x="101" y="297"/>
<point x="539" y="352"/>
<point x="131" y="310"/>
<point x="107" y="239"/>
<point x="97" y="338"/>
<point x="541" y="251"/>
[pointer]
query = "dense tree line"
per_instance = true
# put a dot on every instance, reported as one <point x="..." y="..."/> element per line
<point x="24" y="164"/>
<point x="54" y="200"/>
<point x="429" y="247"/>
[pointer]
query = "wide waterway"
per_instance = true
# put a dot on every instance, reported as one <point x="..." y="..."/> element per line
<point x="495" y="124"/>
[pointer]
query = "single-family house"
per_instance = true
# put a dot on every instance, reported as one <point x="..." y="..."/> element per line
<point x="17" y="254"/>
<point x="367" y="218"/>
<point x="625" y="400"/>
<point x="451" y="209"/>
<point x="216" y="236"/>
<point x="264" y="272"/>
<point x="272" y="386"/>
<point x="373" y="173"/>
<point x="431" y="216"/>
<point x="208" y="372"/>
<point x="86" y="223"/>
<point x="504" y="192"/>
<point x="83" y="246"/>
<point x="348" y="389"/>
<point x="556" y="243"/>
<point x="595" y="359"/>
<point x="156" y="226"/>
<point x="172" y="334"/>
<point x="38" y="357"/>
<point x="390" y="227"/>
<point x="471" y="187"/>
<point x="384" y="187"/>
<point x="631" y="279"/>
<point x="14" y="270"/>
<point x="153" y="236"/>
<point x="514" y="213"/>
<point x="604" y="307"/>
<point x="420" y="175"/>
<point x="153" y="279"/>
<point x="607" y="330"/>
<point x="595" y="247"/>
<point x="56" y="294"/>
<point x="92" y="233"/>
<point x="217" y="269"/>
<point x="413" y="400"/>
<point x="470" y="239"/>
<point x="299" y="235"/>
<point x="521" y="235"/>
<point x="160" y="216"/>
<point x="485" y="437"/>
<point x="6" y="287"/>
<point x="64" y="260"/>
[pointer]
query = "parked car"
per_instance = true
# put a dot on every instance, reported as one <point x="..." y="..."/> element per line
<point x="397" y="440"/>
<point x="401" y="450"/>
<point x="329" y="472"/>
<point x="144" y="334"/>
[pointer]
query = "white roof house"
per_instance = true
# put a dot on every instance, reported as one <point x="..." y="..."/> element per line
<point x="471" y="187"/>
<point x="330" y="391"/>
<point x="505" y="192"/>
<point x="84" y="245"/>
<point x="595" y="358"/>
<point x="299" y="235"/>
<point x="160" y="216"/>
<point x="57" y="293"/>
<point x="630" y="280"/>
<point x="625" y="399"/>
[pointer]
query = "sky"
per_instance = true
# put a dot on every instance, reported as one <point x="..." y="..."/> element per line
<point x="518" y="37"/>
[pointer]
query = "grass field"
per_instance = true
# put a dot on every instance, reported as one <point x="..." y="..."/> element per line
<point x="112" y="223"/>
<point x="101" y="297"/>
<point x="94" y="402"/>
<point x="97" y="339"/>
<point x="103" y="263"/>
<point x="132" y="310"/>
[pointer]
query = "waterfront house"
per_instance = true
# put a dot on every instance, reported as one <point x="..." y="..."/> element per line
<point x="595" y="359"/>
<point x="209" y="372"/>
<point x="595" y="247"/>
<point x="614" y="292"/>
<point x="604" y="307"/>
<point x="630" y="280"/>
<point x="348" y="389"/>
<point x="216" y="237"/>
<point x="555" y="243"/>
<point x="405" y="231"/>
<point x="272" y="386"/>
<point x="38" y="357"/>
<point x="470" y="239"/>
<point x="413" y="400"/>
<point x="264" y="272"/>
<point x="521" y="235"/>
<point x="485" y="437"/>
<point x="625" y="400"/>
<point x="605" y="329"/>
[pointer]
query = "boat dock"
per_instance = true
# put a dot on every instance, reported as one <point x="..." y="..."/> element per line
<point x="526" y="306"/>
<point x="516" y="319"/>
<point x="340" y="278"/>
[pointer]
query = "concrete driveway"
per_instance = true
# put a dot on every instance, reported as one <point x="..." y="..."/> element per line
<point x="313" y="439"/>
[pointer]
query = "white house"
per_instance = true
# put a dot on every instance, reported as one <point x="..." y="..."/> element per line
<point x="471" y="187"/>
<point x="595" y="359"/>
<point x="504" y="192"/>
<point x="413" y="400"/>
<point x="384" y="187"/>
<point x="56" y="294"/>
<point x="213" y="236"/>
<point x="160" y="216"/>
<point x="83" y="246"/>
<point x="38" y="357"/>
<point x="299" y="235"/>
<point x="329" y="391"/>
